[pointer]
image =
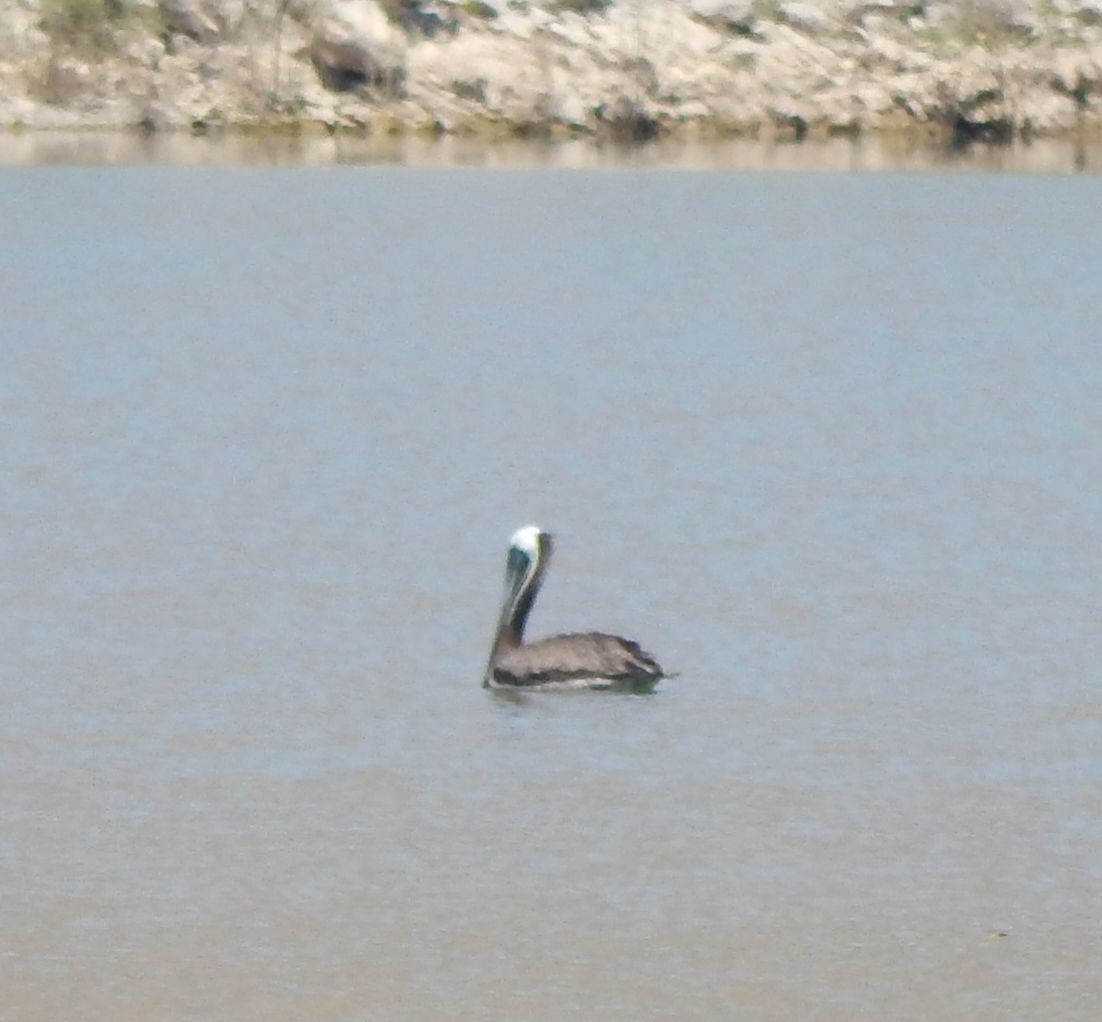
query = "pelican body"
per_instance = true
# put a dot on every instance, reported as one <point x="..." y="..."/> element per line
<point x="591" y="660"/>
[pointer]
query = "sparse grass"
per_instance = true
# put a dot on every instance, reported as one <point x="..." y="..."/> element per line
<point x="473" y="89"/>
<point x="581" y="6"/>
<point x="80" y="33"/>
<point x="1060" y="28"/>
<point x="90" y="28"/>
<point x="989" y="23"/>
<point x="937" y="40"/>
<point x="479" y="9"/>
<point x="398" y="12"/>
<point x="415" y="20"/>
<point x="767" y="10"/>
<point x="56" y="83"/>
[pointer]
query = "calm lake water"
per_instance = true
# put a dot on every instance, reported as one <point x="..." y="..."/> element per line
<point x="829" y="445"/>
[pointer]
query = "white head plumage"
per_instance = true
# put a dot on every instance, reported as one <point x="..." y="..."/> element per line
<point x="527" y="539"/>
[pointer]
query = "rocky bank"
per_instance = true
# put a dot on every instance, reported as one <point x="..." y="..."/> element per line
<point x="971" y="69"/>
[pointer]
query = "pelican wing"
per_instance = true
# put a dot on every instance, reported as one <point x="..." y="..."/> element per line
<point x="572" y="657"/>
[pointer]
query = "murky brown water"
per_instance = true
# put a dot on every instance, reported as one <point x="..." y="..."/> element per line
<point x="830" y="445"/>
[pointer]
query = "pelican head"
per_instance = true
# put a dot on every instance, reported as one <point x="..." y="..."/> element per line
<point x="529" y="554"/>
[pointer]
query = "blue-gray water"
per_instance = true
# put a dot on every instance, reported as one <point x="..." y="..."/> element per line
<point x="829" y="445"/>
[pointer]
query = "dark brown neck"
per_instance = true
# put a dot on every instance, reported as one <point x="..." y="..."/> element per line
<point x="514" y="616"/>
<point x="525" y="599"/>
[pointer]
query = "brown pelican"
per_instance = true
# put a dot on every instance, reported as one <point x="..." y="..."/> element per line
<point x="591" y="660"/>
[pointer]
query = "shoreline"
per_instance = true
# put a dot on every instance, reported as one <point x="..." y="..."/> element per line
<point x="996" y="72"/>
<point x="257" y="147"/>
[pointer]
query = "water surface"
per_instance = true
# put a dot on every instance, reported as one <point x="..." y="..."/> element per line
<point x="829" y="445"/>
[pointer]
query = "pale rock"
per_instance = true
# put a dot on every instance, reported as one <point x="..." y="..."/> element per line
<point x="146" y="50"/>
<point x="190" y="18"/>
<point x="362" y="21"/>
<point x="940" y="14"/>
<point x="805" y="16"/>
<point x="873" y="97"/>
<point x="1090" y="12"/>
<point x="737" y="16"/>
